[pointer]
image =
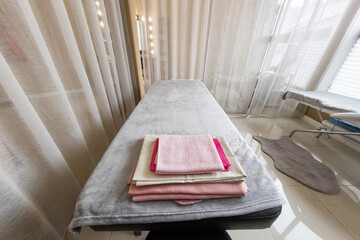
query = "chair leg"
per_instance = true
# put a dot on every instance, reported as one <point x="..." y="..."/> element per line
<point x="322" y="130"/>
<point x="319" y="135"/>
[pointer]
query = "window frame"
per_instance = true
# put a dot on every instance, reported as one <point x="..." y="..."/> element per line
<point x="341" y="54"/>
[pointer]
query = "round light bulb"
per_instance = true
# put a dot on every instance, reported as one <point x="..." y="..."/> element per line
<point x="150" y="28"/>
<point x="102" y="24"/>
<point x="152" y="52"/>
<point x="150" y="19"/>
<point x="97" y="3"/>
<point x="99" y="13"/>
<point x="151" y="36"/>
<point x="143" y="18"/>
<point x="151" y="44"/>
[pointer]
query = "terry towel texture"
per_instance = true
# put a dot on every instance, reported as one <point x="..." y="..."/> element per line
<point x="144" y="177"/>
<point x="187" y="155"/>
<point x="219" y="150"/>
<point x="180" y="107"/>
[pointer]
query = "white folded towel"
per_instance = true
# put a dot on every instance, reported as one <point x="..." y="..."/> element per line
<point x="143" y="176"/>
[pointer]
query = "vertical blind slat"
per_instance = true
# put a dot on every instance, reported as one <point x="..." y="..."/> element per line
<point x="347" y="79"/>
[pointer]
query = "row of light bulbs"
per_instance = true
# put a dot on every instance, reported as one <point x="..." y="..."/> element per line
<point x="151" y="36"/>
<point x="101" y="22"/>
<point x="97" y="3"/>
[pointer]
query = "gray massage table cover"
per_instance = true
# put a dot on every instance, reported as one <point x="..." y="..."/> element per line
<point x="325" y="100"/>
<point x="169" y="107"/>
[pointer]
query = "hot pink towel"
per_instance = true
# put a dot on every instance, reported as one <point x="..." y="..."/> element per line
<point x="222" y="155"/>
<point x="188" y="155"/>
<point x="236" y="188"/>
<point x="153" y="157"/>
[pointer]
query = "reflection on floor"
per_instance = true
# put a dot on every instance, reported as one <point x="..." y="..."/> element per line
<point x="308" y="214"/>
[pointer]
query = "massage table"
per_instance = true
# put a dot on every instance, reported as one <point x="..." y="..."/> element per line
<point x="173" y="107"/>
<point x="337" y="106"/>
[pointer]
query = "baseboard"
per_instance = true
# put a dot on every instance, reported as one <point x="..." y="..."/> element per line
<point x="350" y="143"/>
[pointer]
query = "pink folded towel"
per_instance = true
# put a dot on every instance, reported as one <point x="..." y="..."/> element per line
<point x="219" y="149"/>
<point x="236" y="188"/>
<point x="187" y="193"/>
<point x="156" y="197"/>
<point x="188" y="155"/>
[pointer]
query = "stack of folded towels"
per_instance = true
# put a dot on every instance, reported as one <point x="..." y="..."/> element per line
<point x="186" y="169"/>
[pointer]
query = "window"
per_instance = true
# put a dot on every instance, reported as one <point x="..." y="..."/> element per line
<point x="347" y="79"/>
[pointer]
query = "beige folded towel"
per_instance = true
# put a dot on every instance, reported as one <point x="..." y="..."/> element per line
<point x="143" y="176"/>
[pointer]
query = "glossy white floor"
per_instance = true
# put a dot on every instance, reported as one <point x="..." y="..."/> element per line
<point x="307" y="214"/>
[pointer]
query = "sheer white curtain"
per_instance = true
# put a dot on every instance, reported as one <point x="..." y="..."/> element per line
<point x="303" y="33"/>
<point x="65" y="90"/>
<point x="222" y="43"/>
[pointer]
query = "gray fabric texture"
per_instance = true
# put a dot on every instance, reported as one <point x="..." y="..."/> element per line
<point x="325" y="100"/>
<point x="169" y="107"/>
<point x="299" y="164"/>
